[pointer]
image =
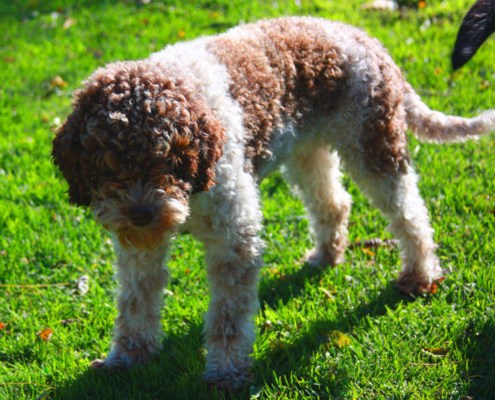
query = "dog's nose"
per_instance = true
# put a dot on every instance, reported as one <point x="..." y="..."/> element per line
<point x="141" y="215"/>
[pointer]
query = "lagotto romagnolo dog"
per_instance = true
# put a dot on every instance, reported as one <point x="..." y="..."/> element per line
<point x="180" y="141"/>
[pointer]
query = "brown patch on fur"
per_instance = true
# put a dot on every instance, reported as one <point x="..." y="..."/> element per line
<point x="384" y="138"/>
<point x="285" y="71"/>
<point x="131" y="122"/>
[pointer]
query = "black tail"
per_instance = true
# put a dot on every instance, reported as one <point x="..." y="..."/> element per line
<point x="478" y="24"/>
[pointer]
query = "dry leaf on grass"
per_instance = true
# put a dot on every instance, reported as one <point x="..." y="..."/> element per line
<point x="328" y="293"/>
<point x="434" y="285"/>
<point x="58" y="82"/>
<point x="436" y="352"/>
<point x="45" y="334"/>
<point x="68" y="23"/>
<point x="334" y="339"/>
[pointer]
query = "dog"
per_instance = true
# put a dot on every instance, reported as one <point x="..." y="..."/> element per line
<point x="180" y="141"/>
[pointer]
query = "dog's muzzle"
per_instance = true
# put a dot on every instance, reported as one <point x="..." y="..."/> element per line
<point x="141" y="215"/>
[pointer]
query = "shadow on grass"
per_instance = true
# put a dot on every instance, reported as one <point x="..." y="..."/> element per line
<point x="176" y="373"/>
<point x="275" y="289"/>
<point x="478" y="345"/>
<point x="301" y="350"/>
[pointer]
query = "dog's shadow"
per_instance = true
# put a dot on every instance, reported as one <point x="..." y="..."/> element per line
<point x="277" y="360"/>
<point x="478" y="344"/>
<point x="176" y="373"/>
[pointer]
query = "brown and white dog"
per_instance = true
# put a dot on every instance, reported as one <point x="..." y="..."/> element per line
<point x="180" y="141"/>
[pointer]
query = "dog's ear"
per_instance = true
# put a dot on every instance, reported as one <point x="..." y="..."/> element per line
<point x="211" y="148"/>
<point x="67" y="155"/>
<point x="477" y="26"/>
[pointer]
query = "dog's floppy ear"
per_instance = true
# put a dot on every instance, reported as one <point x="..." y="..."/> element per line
<point x="478" y="24"/>
<point x="67" y="155"/>
<point x="213" y="136"/>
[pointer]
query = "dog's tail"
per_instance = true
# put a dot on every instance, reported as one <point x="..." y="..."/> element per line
<point x="435" y="127"/>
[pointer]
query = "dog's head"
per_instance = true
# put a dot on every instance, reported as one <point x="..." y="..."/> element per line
<point x="136" y="146"/>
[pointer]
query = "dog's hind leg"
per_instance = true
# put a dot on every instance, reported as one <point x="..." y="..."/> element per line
<point x="397" y="195"/>
<point x="314" y="170"/>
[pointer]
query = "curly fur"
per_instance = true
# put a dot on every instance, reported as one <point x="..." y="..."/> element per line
<point x="132" y="122"/>
<point x="178" y="142"/>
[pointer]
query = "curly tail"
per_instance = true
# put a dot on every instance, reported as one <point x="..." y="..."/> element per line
<point x="435" y="127"/>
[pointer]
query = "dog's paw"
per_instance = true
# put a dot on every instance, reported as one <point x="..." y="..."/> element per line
<point x="114" y="363"/>
<point x="413" y="283"/>
<point x="410" y="285"/>
<point x="97" y="364"/>
<point x="322" y="258"/>
<point x="119" y="359"/>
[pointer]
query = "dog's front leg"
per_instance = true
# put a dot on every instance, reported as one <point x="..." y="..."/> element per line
<point x="229" y="327"/>
<point x="228" y="222"/>
<point x="142" y="277"/>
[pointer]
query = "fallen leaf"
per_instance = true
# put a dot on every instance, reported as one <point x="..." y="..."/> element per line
<point x="181" y="34"/>
<point x="58" y="82"/>
<point x="45" y="334"/>
<point x="68" y="23"/>
<point x="369" y="252"/>
<point x="9" y="59"/>
<point x="334" y="339"/>
<point x="328" y="294"/>
<point x="434" y="285"/>
<point x="437" y="352"/>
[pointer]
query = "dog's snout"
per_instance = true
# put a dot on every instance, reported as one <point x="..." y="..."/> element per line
<point x="141" y="215"/>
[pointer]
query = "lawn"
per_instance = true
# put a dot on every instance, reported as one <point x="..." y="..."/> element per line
<point x="435" y="346"/>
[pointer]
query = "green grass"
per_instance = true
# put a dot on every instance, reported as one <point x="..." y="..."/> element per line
<point x="44" y="241"/>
